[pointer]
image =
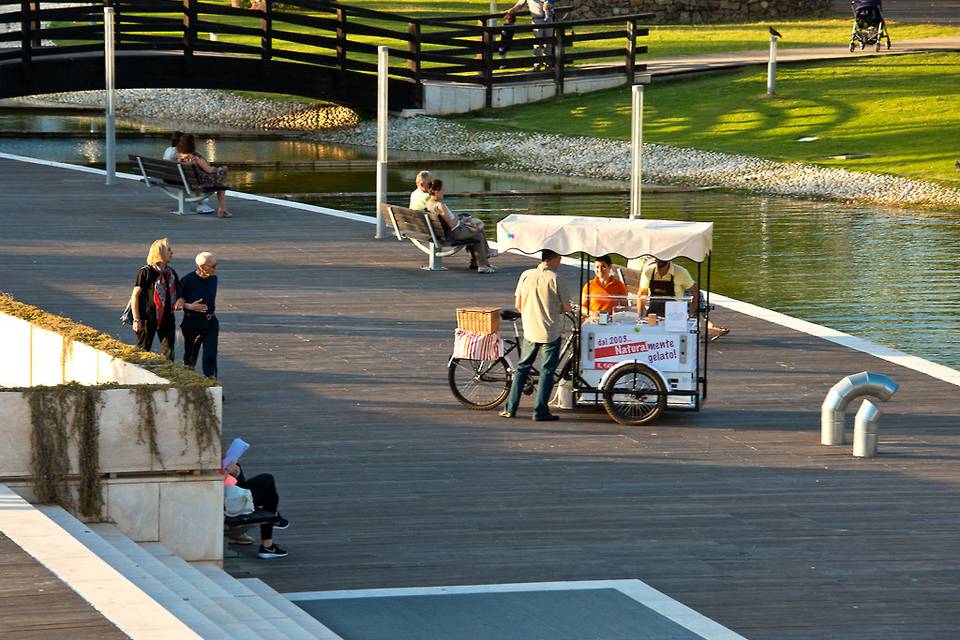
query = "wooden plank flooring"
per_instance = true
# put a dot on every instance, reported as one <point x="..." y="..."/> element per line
<point x="333" y="357"/>
<point x="36" y="605"/>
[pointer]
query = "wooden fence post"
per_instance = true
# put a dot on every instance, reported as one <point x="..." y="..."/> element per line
<point x="341" y="39"/>
<point x="266" y="25"/>
<point x="631" y="50"/>
<point x="486" y="37"/>
<point x="414" y="64"/>
<point x="189" y="28"/>
<point x="559" y="34"/>
<point x="35" y="25"/>
<point x="25" y="39"/>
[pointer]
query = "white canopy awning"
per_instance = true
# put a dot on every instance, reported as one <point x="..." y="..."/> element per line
<point x="664" y="239"/>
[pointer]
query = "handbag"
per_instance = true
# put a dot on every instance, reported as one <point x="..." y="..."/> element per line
<point x="237" y="501"/>
<point x="472" y="224"/>
<point x="127" y="316"/>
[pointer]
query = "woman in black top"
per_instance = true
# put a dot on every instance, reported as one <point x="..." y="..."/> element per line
<point x="153" y="300"/>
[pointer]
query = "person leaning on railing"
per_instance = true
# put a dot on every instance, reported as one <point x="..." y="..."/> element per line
<point x="541" y="12"/>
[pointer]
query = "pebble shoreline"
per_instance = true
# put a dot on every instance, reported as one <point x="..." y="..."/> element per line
<point x="542" y="153"/>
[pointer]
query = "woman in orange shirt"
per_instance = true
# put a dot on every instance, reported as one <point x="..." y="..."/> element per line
<point x="605" y="292"/>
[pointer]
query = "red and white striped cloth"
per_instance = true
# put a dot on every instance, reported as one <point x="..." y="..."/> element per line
<point x="477" y="346"/>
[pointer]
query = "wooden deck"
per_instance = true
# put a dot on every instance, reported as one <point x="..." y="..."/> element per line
<point x="333" y="359"/>
<point x="35" y="604"/>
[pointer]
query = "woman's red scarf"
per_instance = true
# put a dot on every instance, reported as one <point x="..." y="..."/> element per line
<point x="164" y="292"/>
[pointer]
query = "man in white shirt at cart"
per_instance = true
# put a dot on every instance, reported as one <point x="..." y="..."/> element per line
<point x="662" y="279"/>
<point x="542" y="300"/>
<point x="541" y="12"/>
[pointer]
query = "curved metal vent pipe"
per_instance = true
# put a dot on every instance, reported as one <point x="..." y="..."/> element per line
<point x="865" y="430"/>
<point x="843" y="393"/>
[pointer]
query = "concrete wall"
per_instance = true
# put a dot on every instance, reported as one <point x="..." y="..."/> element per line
<point x="445" y="98"/>
<point x="702" y="11"/>
<point x="176" y="500"/>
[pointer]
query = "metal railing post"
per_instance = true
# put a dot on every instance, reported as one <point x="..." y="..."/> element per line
<point x="109" y="64"/>
<point x="772" y="68"/>
<point x="383" y="84"/>
<point x="636" y="150"/>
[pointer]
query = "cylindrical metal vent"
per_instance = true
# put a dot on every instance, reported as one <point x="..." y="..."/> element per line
<point x="843" y="393"/>
<point x="865" y="430"/>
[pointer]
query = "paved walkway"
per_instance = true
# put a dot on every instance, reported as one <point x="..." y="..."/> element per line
<point x="708" y="62"/>
<point x="334" y="349"/>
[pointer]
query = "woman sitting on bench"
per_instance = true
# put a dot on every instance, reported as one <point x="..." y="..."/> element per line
<point x="463" y="228"/>
<point x="209" y="176"/>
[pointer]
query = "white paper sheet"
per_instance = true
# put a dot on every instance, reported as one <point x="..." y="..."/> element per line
<point x="676" y="315"/>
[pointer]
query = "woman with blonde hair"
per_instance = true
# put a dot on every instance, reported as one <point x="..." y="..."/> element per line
<point x="153" y="301"/>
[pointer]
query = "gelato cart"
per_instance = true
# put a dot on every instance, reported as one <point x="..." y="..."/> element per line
<point x="633" y="363"/>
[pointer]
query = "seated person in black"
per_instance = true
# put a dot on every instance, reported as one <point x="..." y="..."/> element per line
<point x="265" y="496"/>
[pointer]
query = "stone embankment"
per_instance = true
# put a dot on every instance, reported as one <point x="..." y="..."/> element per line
<point x="574" y="156"/>
<point x="662" y="164"/>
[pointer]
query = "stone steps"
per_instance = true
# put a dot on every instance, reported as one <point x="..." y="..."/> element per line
<point x="201" y="595"/>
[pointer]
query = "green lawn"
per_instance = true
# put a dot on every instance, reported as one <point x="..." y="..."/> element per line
<point x="902" y="110"/>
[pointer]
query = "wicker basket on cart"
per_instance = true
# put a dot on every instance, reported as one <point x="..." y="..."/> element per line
<point x="483" y="320"/>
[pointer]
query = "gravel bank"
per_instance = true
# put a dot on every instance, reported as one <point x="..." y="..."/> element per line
<point x="542" y="153"/>
<point x="661" y="164"/>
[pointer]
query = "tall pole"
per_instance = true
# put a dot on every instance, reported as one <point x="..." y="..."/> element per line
<point x="109" y="61"/>
<point x="492" y="22"/>
<point x="636" y="150"/>
<point x="382" y="115"/>
<point x="772" y="68"/>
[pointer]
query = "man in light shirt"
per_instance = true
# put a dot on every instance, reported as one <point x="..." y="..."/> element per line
<point x="542" y="300"/>
<point x="421" y="195"/>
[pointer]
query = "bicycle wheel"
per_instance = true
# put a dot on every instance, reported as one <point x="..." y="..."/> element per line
<point x="634" y="395"/>
<point x="479" y="384"/>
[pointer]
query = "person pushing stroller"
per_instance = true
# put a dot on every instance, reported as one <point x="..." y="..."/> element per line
<point x="869" y="27"/>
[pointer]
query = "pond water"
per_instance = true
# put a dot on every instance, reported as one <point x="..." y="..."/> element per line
<point x="887" y="275"/>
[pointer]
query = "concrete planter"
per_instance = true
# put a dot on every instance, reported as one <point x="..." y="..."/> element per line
<point x="175" y="497"/>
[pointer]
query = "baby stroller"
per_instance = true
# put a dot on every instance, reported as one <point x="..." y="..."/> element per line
<point x="868" y="25"/>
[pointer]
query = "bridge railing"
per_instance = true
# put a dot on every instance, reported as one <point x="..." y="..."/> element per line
<point x="332" y="35"/>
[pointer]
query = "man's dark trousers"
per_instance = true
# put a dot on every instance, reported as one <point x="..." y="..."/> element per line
<point x="198" y="332"/>
<point x="529" y="350"/>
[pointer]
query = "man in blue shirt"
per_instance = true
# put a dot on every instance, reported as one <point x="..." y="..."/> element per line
<point x="200" y="327"/>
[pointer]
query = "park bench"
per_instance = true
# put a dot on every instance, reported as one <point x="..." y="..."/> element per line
<point x="177" y="180"/>
<point x="425" y="230"/>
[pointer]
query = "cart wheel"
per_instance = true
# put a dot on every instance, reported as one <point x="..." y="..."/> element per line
<point x="479" y="384"/>
<point x="634" y="395"/>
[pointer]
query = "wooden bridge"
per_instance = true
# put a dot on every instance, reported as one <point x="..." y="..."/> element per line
<point x="316" y="49"/>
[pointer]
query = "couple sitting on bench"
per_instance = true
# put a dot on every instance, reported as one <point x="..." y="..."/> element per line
<point x="428" y="196"/>
<point x="252" y="501"/>
<point x="183" y="149"/>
